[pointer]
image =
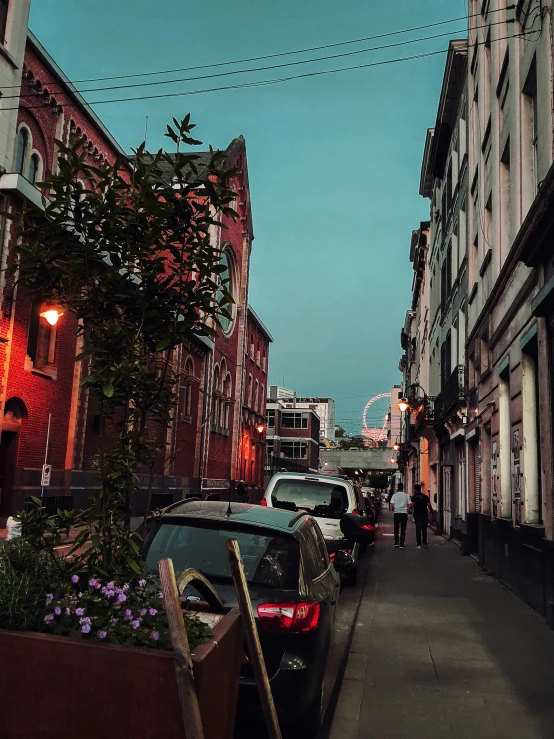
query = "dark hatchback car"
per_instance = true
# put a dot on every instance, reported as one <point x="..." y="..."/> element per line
<point x="293" y="587"/>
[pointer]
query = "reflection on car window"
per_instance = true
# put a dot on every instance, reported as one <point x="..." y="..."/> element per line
<point x="321" y="499"/>
<point x="270" y="561"/>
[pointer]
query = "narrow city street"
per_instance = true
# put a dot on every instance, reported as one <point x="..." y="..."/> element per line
<point x="442" y="650"/>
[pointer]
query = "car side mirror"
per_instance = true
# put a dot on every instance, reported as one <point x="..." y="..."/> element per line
<point x="356" y="529"/>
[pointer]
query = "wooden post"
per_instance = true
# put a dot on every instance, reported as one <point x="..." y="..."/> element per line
<point x="253" y="639"/>
<point x="190" y="711"/>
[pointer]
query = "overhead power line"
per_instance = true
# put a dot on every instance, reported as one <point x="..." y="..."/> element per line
<point x="252" y="69"/>
<point x="284" y="53"/>
<point x="260" y="83"/>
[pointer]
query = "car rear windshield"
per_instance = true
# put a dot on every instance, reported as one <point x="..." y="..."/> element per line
<point x="320" y="499"/>
<point x="270" y="560"/>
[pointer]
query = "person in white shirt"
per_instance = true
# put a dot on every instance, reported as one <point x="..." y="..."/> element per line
<point x="401" y="504"/>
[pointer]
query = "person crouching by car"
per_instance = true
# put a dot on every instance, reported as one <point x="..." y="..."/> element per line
<point x="400" y="503"/>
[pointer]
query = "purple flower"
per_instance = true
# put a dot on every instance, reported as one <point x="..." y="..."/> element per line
<point x="85" y="628"/>
<point x="126" y="587"/>
<point x="135" y="624"/>
<point x="49" y="597"/>
<point x="74" y="578"/>
<point x="161" y="596"/>
<point x="85" y="620"/>
<point x="102" y="634"/>
<point x="152" y="611"/>
<point x="143" y="611"/>
<point x="121" y="598"/>
<point x="142" y="583"/>
<point x="49" y="618"/>
<point x="128" y="615"/>
<point x="154" y="635"/>
<point x="79" y="595"/>
<point x="67" y="611"/>
<point x="57" y="610"/>
<point x="110" y="586"/>
<point x="79" y="611"/>
<point x="92" y="582"/>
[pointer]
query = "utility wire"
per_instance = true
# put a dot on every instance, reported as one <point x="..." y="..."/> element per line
<point x="260" y="83"/>
<point x="256" y="69"/>
<point x="283" y="53"/>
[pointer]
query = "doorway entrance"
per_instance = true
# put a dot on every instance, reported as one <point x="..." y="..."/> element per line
<point x="14" y="413"/>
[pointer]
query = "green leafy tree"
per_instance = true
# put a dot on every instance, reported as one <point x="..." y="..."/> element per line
<point x="356" y="442"/>
<point x="132" y="257"/>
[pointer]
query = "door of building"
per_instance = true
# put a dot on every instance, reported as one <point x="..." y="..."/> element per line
<point x="8" y="458"/>
<point x="447" y="499"/>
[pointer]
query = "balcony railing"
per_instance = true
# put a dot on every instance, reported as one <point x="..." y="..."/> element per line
<point x="453" y="394"/>
<point x="426" y="412"/>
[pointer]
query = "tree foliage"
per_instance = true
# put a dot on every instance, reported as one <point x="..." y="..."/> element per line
<point x="130" y="250"/>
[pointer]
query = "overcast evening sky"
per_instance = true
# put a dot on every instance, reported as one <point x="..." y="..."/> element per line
<point x="334" y="160"/>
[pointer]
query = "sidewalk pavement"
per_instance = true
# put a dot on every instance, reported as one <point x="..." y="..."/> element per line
<point x="443" y="651"/>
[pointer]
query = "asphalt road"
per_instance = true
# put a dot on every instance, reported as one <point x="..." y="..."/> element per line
<point x="345" y="621"/>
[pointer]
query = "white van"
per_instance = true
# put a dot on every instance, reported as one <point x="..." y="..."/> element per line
<point x="327" y="498"/>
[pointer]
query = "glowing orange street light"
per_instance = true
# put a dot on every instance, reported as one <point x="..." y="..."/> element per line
<point x="260" y="427"/>
<point x="392" y="460"/>
<point x="403" y="405"/>
<point x="52" y="315"/>
<point x="396" y="447"/>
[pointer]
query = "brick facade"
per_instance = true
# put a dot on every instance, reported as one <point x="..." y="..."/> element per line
<point x="39" y="379"/>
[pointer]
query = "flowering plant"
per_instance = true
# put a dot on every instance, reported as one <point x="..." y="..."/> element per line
<point x="129" y="614"/>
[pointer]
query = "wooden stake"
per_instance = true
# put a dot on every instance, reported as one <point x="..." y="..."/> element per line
<point x="190" y="711"/>
<point x="253" y="639"/>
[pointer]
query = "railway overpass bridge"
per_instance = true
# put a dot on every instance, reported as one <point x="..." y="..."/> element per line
<point x="361" y="460"/>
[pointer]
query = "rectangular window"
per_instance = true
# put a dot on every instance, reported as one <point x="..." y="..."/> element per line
<point x="530" y="139"/>
<point x="294" y="420"/>
<point x="505" y="202"/>
<point x="269" y="446"/>
<point x="4" y="8"/>
<point x="271" y="419"/>
<point x="294" y="449"/>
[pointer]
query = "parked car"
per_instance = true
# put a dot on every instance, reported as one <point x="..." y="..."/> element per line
<point x="293" y="587"/>
<point x="327" y="498"/>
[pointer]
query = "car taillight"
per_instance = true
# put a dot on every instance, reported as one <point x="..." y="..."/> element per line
<point x="355" y="511"/>
<point x="368" y="527"/>
<point x="296" y="617"/>
<point x="264" y="503"/>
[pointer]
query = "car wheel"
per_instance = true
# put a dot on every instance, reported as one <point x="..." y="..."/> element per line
<point x="352" y="575"/>
<point x="309" y="723"/>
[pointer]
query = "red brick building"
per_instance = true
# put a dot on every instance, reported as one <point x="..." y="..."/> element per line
<point x="47" y="416"/>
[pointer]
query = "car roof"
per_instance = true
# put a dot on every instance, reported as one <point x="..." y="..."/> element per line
<point x="241" y="513"/>
<point x="310" y="475"/>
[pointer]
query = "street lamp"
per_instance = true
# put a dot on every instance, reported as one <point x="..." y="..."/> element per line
<point x="52" y="315"/>
<point x="403" y="405"/>
<point x="392" y="460"/>
<point x="260" y="427"/>
<point x="396" y="447"/>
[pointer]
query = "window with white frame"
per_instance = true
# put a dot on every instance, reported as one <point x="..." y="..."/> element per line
<point x="294" y="449"/>
<point x="294" y="420"/>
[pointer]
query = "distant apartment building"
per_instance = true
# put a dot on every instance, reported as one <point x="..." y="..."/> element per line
<point x="292" y="435"/>
<point x="324" y="407"/>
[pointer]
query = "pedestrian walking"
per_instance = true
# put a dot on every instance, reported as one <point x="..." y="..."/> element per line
<point x="422" y="508"/>
<point x="400" y="503"/>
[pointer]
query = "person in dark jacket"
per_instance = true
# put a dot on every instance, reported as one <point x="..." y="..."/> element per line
<point x="421" y="509"/>
<point x="242" y="492"/>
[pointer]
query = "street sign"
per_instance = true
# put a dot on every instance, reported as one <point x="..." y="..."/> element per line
<point x="46" y="472"/>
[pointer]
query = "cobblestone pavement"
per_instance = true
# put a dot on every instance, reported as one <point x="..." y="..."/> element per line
<point x="443" y="651"/>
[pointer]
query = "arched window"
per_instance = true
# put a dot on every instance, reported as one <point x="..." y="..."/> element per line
<point x="227" y="393"/>
<point x="226" y="281"/>
<point x="256" y="396"/>
<point x="21" y="153"/>
<point x="249" y="396"/>
<point x="215" y="410"/>
<point x="34" y="169"/>
<point x="261" y="409"/>
<point x="189" y="375"/>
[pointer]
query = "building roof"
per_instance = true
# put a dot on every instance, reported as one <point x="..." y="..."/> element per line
<point x="257" y="320"/>
<point x="70" y="90"/>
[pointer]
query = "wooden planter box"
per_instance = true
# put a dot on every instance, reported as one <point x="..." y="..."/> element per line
<point x="52" y="687"/>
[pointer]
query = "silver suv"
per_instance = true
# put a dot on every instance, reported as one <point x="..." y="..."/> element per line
<point x="327" y="498"/>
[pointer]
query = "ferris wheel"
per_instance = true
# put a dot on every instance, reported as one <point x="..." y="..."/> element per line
<point x="371" y="433"/>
